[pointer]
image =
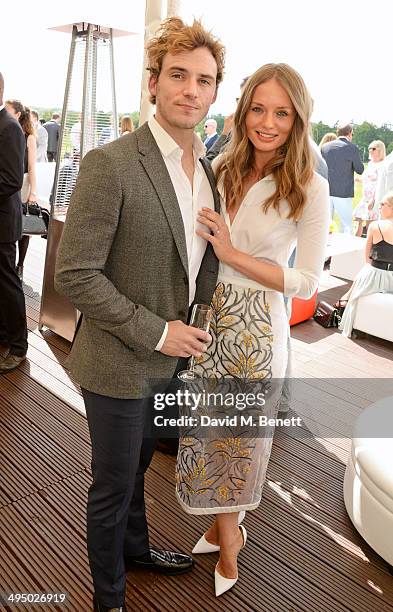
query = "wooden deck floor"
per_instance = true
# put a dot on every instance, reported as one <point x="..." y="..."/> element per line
<point x="303" y="553"/>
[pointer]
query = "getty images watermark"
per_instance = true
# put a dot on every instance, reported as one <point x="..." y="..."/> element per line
<point x="222" y="409"/>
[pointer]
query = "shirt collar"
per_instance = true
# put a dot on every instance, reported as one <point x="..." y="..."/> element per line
<point x="2" y="106"/>
<point x="167" y="145"/>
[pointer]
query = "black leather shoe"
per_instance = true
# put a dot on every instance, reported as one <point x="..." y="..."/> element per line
<point x="100" y="608"/>
<point x="10" y="363"/>
<point x="161" y="561"/>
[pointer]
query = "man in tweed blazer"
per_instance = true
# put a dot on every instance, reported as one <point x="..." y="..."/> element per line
<point x="131" y="262"/>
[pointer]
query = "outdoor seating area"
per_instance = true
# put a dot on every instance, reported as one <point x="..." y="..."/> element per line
<point x="196" y="298"/>
<point x="304" y="552"/>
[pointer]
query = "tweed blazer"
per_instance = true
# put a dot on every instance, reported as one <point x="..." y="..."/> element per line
<point x="123" y="263"/>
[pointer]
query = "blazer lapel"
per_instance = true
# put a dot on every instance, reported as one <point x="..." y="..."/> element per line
<point x="212" y="181"/>
<point x="151" y="160"/>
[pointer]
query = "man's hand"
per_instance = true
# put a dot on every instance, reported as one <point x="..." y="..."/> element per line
<point x="184" y="340"/>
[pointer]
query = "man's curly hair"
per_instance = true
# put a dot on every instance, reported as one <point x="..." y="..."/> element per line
<point x="174" y="36"/>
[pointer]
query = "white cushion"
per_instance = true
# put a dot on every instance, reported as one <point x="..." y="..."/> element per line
<point x="374" y="315"/>
<point x="368" y="482"/>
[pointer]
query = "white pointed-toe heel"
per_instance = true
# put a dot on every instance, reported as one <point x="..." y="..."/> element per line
<point x="204" y="547"/>
<point x="224" y="584"/>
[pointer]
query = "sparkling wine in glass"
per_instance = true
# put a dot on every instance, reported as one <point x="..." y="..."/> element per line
<point x="201" y="317"/>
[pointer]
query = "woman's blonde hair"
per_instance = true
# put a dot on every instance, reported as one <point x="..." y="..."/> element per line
<point x="380" y="146"/>
<point x="329" y="137"/>
<point x="174" y="36"/>
<point x="292" y="166"/>
<point x="126" y="124"/>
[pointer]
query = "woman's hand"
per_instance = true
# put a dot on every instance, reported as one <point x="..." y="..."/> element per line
<point x="32" y="199"/>
<point x="220" y="239"/>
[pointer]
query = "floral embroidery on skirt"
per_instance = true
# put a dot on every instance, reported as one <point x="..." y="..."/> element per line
<point x="221" y="468"/>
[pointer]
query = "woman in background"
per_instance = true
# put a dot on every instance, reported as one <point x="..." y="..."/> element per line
<point x="377" y="275"/>
<point x="327" y="138"/>
<point x="126" y="125"/>
<point x="29" y="188"/>
<point x="366" y="209"/>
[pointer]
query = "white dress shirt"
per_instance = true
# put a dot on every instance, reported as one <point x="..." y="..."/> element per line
<point x="2" y="106"/>
<point x="272" y="238"/>
<point x="191" y="198"/>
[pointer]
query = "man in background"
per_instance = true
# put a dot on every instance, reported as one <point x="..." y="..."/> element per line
<point x="41" y="136"/>
<point x="211" y="133"/>
<point x="13" y="326"/>
<point x="53" y="129"/>
<point x="343" y="159"/>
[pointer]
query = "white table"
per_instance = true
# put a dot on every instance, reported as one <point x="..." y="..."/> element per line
<point x="45" y="172"/>
<point x="347" y="253"/>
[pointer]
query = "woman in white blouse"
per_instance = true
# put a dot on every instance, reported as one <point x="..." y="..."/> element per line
<point x="272" y="201"/>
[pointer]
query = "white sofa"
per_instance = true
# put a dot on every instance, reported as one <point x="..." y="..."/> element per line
<point x="368" y="481"/>
<point x="374" y="315"/>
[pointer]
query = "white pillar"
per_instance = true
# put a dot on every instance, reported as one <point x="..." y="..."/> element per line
<point x="174" y="8"/>
<point x="153" y="16"/>
<point x="155" y="13"/>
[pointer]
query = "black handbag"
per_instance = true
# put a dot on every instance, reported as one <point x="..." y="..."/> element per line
<point x="327" y="315"/>
<point x="35" y="220"/>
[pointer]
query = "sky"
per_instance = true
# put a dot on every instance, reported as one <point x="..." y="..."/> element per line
<point x="342" y="49"/>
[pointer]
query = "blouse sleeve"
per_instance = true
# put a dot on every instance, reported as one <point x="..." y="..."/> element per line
<point x="312" y="233"/>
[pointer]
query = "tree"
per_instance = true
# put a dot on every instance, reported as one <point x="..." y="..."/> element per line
<point x="363" y="134"/>
<point x="320" y="129"/>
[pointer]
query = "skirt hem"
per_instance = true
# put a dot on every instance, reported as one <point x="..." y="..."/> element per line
<point x="218" y="509"/>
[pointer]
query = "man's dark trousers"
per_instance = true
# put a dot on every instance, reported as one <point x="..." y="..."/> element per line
<point x="13" y="327"/>
<point x="116" y="520"/>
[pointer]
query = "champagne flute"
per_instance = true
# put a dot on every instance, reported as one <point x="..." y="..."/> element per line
<point x="201" y="317"/>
